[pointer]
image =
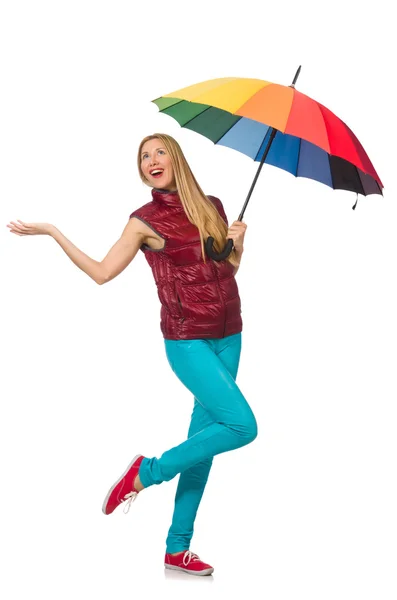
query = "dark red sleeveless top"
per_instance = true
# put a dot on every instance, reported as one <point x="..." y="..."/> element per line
<point x="198" y="300"/>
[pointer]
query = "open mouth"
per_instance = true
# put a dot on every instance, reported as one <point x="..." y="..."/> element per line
<point x="156" y="173"/>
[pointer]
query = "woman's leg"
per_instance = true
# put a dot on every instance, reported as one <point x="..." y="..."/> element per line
<point x="234" y="425"/>
<point x="192" y="482"/>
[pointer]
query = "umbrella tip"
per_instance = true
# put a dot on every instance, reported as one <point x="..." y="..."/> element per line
<point x="296" y="76"/>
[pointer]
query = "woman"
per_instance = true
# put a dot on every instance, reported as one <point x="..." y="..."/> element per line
<point x="200" y="322"/>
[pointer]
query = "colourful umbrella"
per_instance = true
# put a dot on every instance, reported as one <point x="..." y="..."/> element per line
<point x="278" y="125"/>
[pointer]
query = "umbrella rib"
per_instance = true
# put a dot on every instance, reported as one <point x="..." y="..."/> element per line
<point x="227" y="130"/>
<point x="330" y="171"/>
<point x="195" y="116"/>
<point x="208" y="108"/>
<point x="165" y="108"/>
<point x="260" y="146"/>
<point x="361" y="183"/>
<point x="299" y="155"/>
<point x="204" y="111"/>
<point x="262" y="142"/>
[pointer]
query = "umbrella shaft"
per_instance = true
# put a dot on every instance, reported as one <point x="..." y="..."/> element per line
<point x="266" y="152"/>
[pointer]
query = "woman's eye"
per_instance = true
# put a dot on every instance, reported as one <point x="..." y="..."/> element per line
<point x="161" y="152"/>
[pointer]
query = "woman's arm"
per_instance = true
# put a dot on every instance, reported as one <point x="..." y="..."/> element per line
<point x="239" y="254"/>
<point x="117" y="259"/>
<point x="236" y="232"/>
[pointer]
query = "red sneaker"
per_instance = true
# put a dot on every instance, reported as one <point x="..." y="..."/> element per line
<point x="187" y="562"/>
<point x="123" y="490"/>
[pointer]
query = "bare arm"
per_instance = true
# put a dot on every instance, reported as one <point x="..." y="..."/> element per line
<point x="236" y="232"/>
<point x="239" y="254"/>
<point x="116" y="260"/>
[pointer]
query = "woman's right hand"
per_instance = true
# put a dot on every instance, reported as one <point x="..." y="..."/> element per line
<point x="22" y="228"/>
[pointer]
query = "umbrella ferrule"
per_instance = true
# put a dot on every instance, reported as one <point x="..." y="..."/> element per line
<point x="296" y="77"/>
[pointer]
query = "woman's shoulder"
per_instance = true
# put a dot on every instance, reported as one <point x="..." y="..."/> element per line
<point x="145" y="209"/>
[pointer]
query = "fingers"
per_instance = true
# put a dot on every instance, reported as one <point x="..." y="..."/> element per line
<point x="18" y="228"/>
<point x="29" y="228"/>
<point x="237" y="229"/>
<point x="15" y="226"/>
<point x="19" y="224"/>
<point x="239" y="224"/>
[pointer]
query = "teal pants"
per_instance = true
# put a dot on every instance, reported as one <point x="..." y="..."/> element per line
<point x="221" y="421"/>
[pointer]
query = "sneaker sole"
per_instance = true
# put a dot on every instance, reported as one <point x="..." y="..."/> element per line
<point x="117" y="482"/>
<point x="204" y="572"/>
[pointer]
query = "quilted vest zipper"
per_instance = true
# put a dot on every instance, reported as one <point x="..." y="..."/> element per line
<point x="180" y="307"/>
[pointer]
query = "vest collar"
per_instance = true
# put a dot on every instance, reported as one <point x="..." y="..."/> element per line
<point x="166" y="197"/>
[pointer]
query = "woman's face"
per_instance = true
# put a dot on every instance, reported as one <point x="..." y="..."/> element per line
<point x="156" y="165"/>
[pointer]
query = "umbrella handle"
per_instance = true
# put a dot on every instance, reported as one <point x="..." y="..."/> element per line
<point x="222" y="255"/>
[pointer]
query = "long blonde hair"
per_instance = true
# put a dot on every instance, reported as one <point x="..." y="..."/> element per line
<point x="200" y="211"/>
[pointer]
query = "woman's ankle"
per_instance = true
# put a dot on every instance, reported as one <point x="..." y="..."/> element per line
<point x="138" y="484"/>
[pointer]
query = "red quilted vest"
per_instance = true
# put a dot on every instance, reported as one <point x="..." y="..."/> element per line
<point x="198" y="300"/>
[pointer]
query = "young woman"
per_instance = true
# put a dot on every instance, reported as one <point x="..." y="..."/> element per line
<point x="201" y="326"/>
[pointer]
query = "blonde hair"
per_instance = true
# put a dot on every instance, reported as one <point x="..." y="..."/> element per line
<point x="200" y="211"/>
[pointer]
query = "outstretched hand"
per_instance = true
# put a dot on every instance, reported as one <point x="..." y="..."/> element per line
<point x="21" y="228"/>
<point x="236" y="232"/>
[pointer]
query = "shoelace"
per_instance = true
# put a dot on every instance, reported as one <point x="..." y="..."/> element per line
<point x="188" y="556"/>
<point x="128" y="500"/>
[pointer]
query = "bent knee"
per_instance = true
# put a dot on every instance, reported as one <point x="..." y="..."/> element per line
<point x="252" y="431"/>
<point x="249" y="430"/>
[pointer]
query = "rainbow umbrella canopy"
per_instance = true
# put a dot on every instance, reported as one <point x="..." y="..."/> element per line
<point x="276" y="125"/>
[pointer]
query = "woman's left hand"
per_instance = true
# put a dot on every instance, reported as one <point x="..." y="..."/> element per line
<point x="236" y="232"/>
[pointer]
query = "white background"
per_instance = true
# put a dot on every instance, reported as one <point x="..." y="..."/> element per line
<point x="308" y="509"/>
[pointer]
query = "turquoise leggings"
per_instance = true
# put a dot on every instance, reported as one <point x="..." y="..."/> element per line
<point x="221" y="421"/>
